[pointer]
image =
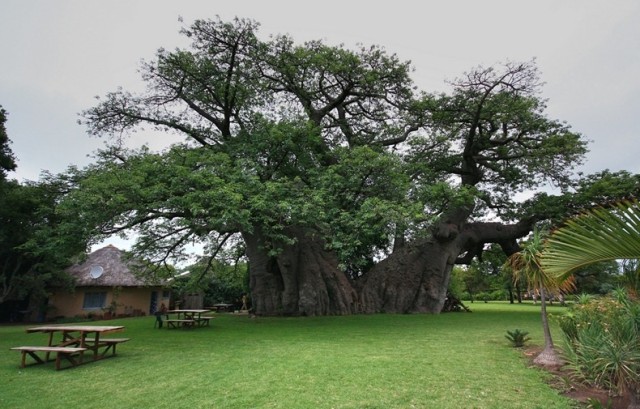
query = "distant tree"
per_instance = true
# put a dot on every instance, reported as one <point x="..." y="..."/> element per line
<point x="472" y="279"/>
<point x="598" y="278"/>
<point x="34" y="250"/>
<point x="7" y="159"/>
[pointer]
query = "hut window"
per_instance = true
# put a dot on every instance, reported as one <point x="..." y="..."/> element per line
<point x="94" y="300"/>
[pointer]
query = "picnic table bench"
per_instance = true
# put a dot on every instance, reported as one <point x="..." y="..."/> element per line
<point x="180" y="323"/>
<point x="202" y="321"/>
<point x="68" y="353"/>
<point x="109" y="343"/>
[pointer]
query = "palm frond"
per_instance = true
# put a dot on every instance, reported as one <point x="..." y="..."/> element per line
<point x="601" y="234"/>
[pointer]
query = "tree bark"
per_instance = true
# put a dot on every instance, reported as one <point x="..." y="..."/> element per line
<point x="301" y="279"/>
<point x="304" y="279"/>
<point x="412" y="279"/>
<point x="548" y="356"/>
<point x="415" y="277"/>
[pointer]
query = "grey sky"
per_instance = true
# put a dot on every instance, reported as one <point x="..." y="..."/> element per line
<point x="57" y="55"/>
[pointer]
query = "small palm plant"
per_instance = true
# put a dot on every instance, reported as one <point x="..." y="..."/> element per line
<point x="517" y="338"/>
<point x="525" y="265"/>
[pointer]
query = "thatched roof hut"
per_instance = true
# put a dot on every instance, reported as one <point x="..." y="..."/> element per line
<point x="106" y="267"/>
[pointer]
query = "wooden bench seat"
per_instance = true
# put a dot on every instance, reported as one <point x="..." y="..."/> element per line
<point x="180" y="323"/>
<point x="110" y="344"/>
<point x="111" y="340"/>
<point x="68" y="353"/>
<point x="202" y="321"/>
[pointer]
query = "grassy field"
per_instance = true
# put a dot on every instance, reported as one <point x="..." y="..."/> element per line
<point x="381" y="361"/>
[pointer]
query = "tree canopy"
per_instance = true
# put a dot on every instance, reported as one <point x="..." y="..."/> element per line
<point x="320" y="161"/>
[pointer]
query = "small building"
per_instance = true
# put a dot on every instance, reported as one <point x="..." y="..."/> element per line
<point x="105" y="286"/>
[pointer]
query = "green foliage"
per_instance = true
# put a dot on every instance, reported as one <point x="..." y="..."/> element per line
<point x="483" y="296"/>
<point x="364" y="201"/>
<point x="281" y="135"/>
<point x="482" y="279"/>
<point x="7" y="158"/>
<point x="601" y="333"/>
<point x="603" y="188"/>
<point x="518" y="338"/>
<point x="600" y="234"/>
<point x="35" y="245"/>
<point x="499" y="295"/>
<point x="456" y="283"/>
<point x="598" y="278"/>
<point x="481" y="117"/>
<point x="525" y="265"/>
<point x="601" y="341"/>
<point x="274" y="137"/>
<point x="631" y="276"/>
<point x="219" y="281"/>
<point x="584" y="298"/>
<point x="584" y="193"/>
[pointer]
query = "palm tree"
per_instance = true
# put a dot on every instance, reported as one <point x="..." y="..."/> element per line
<point x="598" y="235"/>
<point x="526" y="265"/>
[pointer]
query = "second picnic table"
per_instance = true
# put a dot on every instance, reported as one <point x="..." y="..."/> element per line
<point x="75" y="341"/>
<point x="187" y="319"/>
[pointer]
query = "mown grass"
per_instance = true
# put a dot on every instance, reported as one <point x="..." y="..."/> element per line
<point x="375" y="361"/>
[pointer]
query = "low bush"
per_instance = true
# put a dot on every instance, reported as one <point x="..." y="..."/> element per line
<point x="601" y="342"/>
<point x="517" y="338"/>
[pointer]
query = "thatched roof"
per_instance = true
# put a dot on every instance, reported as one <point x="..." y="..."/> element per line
<point x="106" y="268"/>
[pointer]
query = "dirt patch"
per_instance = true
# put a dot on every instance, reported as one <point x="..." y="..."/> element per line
<point x="563" y="381"/>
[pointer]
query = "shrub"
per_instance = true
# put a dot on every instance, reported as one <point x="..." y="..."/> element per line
<point x="517" y="338"/>
<point x="483" y="297"/>
<point x="601" y="342"/>
<point x="584" y="298"/>
<point x="499" y="295"/>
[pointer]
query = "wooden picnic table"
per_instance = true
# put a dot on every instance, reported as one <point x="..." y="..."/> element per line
<point x="222" y="307"/>
<point x="188" y="318"/>
<point x="75" y="340"/>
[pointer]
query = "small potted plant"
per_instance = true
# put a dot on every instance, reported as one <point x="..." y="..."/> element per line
<point x="110" y="311"/>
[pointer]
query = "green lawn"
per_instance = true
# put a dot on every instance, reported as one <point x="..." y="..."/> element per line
<point x="381" y="361"/>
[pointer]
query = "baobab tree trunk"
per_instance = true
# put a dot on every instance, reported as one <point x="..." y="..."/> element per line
<point x="412" y="279"/>
<point x="415" y="277"/>
<point x="304" y="279"/>
<point x="301" y="279"/>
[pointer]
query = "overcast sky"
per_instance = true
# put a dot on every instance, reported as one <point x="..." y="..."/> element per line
<point x="57" y="55"/>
